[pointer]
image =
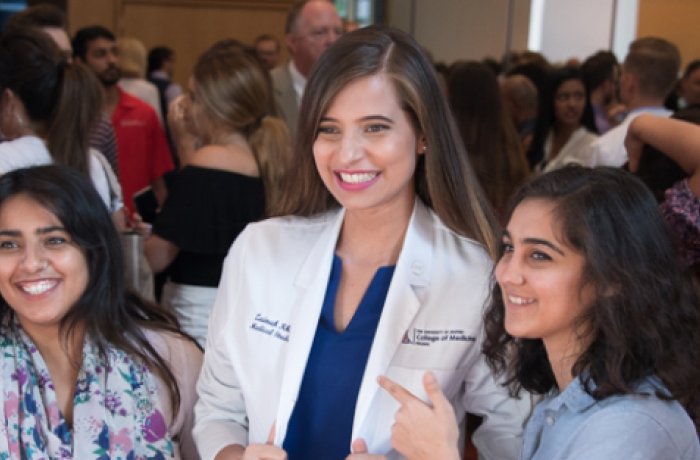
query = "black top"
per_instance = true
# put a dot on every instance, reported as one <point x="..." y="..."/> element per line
<point x="205" y="211"/>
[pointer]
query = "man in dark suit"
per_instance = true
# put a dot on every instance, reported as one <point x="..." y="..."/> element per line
<point x="312" y="26"/>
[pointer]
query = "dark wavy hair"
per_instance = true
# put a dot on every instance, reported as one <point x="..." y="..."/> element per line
<point x="644" y="318"/>
<point x="111" y="315"/>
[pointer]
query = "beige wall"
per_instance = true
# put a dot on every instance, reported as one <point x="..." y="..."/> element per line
<point x="675" y="20"/>
<point x="187" y="26"/>
<point x="462" y="29"/>
<point x="450" y="29"/>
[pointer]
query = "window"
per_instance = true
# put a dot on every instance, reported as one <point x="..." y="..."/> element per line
<point x="361" y="12"/>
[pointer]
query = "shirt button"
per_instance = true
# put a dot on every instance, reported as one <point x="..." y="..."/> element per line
<point x="549" y="420"/>
<point x="417" y="268"/>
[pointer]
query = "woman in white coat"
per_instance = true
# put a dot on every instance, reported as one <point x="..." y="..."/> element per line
<point x="381" y="268"/>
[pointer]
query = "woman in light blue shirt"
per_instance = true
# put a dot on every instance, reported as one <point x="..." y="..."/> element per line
<point x="593" y="312"/>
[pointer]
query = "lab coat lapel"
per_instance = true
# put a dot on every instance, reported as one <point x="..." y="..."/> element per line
<point x="310" y="289"/>
<point x="412" y="273"/>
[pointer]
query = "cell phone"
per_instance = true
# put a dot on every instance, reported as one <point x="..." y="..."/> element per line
<point x="146" y="204"/>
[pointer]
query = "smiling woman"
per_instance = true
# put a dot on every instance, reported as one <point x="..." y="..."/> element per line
<point x="42" y="272"/>
<point x="362" y="142"/>
<point x="86" y="389"/>
<point x="357" y="279"/>
<point x="592" y="311"/>
<point x="541" y="281"/>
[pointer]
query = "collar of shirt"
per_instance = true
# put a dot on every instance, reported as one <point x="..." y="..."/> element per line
<point x="658" y="111"/>
<point x="298" y="80"/>
<point x="160" y="74"/>
<point x="574" y="397"/>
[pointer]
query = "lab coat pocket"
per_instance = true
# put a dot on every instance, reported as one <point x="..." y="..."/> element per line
<point x="412" y="379"/>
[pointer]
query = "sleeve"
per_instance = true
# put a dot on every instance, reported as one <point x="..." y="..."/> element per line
<point x="590" y="155"/>
<point x="161" y="158"/>
<point x="499" y="437"/>
<point x="103" y="139"/>
<point x="185" y="361"/>
<point x="220" y="412"/>
<point x="114" y="199"/>
<point x="626" y="435"/>
<point x="173" y="91"/>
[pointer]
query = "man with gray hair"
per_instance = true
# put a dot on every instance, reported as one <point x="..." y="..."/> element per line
<point x="312" y="26"/>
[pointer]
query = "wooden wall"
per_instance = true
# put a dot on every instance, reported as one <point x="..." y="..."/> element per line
<point x="468" y="31"/>
<point x="187" y="26"/>
<point x="674" y="20"/>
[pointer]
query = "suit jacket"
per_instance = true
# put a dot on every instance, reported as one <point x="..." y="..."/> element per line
<point x="267" y="309"/>
<point x="285" y="96"/>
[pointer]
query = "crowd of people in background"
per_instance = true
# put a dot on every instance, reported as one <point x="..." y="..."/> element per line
<point x="347" y="251"/>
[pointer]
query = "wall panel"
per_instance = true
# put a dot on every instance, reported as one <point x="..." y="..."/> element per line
<point x="187" y="26"/>
<point x="462" y="29"/>
<point x="674" y="20"/>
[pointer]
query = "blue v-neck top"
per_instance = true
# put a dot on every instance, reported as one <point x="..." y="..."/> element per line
<point x="321" y="423"/>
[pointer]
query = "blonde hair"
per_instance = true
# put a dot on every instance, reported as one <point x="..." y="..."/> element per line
<point x="236" y="92"/>
<point x="132" y="57"/>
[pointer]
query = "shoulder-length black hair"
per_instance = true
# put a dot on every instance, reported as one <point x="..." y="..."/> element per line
<point x="644" y="318"/>
<point x="546" y="117"/>
<point x="111" y="315"/>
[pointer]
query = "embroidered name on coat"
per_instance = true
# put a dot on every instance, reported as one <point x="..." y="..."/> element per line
<point x="272" y="327"/>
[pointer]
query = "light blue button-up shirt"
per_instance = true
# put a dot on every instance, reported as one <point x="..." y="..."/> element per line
<point x="573" y="425"/>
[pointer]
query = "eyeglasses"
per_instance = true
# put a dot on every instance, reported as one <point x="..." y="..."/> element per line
<point x="323" y="32"/>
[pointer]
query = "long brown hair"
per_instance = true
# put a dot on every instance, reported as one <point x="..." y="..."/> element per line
<point x="62" y="99"/>
<point x="236" y="92"/>
<point x="444" y="179"/>
<point x="489" y="136"/>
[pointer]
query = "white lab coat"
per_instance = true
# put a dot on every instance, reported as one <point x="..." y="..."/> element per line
<point x="265" y="316"/>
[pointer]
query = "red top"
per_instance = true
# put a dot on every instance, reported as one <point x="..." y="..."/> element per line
<point x="142" y="147"/>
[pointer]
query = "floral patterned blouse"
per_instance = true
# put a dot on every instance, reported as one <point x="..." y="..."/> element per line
<point x="681" y="209"/>
<point x="118" y="406"/>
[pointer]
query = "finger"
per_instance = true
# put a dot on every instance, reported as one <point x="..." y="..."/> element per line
<point x="271" y="435"/>
<point x="434" y="392"/>
<point x="359" y="446"/>
<point x="396" y="391"/>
